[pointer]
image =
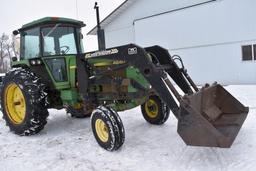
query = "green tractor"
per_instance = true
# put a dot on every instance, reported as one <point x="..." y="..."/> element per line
<point x="54" y="72"/>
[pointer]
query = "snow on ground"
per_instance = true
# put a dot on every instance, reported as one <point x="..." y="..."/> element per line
<point x="68" y="144"/>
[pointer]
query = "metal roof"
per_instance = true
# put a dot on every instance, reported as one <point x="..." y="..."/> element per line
<point x="48" y="20"/>
<point x="112" y="16"/>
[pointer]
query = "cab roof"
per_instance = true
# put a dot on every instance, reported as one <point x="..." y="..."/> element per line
<point x="52" y="20"/>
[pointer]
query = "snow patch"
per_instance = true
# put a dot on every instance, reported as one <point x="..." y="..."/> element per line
<point x="68" y="144"/>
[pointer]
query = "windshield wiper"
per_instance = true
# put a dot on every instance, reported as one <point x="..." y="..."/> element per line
<point x="52" y="30"/>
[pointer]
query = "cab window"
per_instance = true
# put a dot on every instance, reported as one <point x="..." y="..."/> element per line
<point x="31" y="43"/>
<point x="58" y="40"/>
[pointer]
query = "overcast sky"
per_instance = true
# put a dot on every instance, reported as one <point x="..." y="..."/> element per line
<point x="15" y="13"/>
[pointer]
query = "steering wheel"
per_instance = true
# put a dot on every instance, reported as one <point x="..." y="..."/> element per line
<point x="64" y="51"/>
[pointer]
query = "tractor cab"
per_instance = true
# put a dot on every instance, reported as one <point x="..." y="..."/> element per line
<point x="50" y="36"/>
<point x="48" y="46"/>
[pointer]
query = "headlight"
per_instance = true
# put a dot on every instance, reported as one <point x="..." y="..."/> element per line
<point x="33" y="62"/>
<point x="36" y="62"/>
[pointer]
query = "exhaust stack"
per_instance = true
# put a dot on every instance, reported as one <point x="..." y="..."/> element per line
<point x="100" y="31"/>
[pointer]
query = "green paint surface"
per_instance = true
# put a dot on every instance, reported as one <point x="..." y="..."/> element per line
<point x="69" y="96"/>
<point x="19" y="63"/>
<point x="134" y="73"/>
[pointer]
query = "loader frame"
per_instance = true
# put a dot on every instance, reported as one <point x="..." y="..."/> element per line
<point x="134" y="56"/>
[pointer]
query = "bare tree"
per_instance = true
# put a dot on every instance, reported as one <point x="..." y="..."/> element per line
<point x="8" y="49"/>
<point x="15" y="46"/>
<point x="3" y="50"/>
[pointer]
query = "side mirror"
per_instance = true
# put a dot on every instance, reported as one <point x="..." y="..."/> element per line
<point x="14" y="59"/>
<point x="15" y="32"/>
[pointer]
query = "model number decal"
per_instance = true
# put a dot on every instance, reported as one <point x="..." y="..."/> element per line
<point x="132" y="51"/>
<point x="118" y="62"/>
<point x="101" y="53"/>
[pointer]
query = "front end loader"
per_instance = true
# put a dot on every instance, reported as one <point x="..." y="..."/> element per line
<point x="54" y="72"/>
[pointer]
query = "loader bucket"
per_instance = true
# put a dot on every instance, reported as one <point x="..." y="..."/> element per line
<point x="211" y="117"/>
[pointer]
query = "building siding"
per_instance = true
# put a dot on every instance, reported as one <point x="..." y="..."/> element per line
<point x="123" y="24"/>
<point x="207" y="37"/>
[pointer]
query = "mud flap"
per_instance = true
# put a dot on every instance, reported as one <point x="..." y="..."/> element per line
<point x="211" y="117"/>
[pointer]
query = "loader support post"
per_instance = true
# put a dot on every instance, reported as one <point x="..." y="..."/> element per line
<point x="82" y="75"/>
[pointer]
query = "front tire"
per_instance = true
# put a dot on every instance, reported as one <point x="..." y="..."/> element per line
<point x="24" y="102"/>
<point x="155" y="111"/>
<point x="107" y="128"/>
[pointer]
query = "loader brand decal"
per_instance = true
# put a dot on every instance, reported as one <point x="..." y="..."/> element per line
<point x="132" y="51"/>
<point x="101" y="53"/>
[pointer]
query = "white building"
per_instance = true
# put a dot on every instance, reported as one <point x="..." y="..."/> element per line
<point x="215" y="38"/>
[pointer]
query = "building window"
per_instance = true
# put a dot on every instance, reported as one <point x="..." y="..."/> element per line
<point x="254" y="51"/>
<point x="249" y="52"/>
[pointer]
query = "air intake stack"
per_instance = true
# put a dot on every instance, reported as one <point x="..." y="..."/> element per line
<point x="100" y="31"/>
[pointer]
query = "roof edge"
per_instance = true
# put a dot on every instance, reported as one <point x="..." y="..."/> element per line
<point x="47" y="20"/>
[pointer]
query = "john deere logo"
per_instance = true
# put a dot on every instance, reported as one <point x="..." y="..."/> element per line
<point x="132" y="51"/>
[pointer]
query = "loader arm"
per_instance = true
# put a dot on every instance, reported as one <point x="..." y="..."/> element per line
<point x="176" y="73"/>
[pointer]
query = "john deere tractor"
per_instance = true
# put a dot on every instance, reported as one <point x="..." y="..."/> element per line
<point x="54" y="72"/>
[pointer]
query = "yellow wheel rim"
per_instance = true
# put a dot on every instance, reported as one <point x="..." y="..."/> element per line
<point x="15" y="104"/>
<point x="151" y="108"/>
<point x="102" y="130"/>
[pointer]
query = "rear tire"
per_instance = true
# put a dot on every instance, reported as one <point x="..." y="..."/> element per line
<point x="107" y="128"/>
<point x="24" y="102"/>
<point x="155" y="111"/>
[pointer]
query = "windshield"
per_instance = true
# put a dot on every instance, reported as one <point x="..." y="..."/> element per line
<point x="58" y="40"/>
